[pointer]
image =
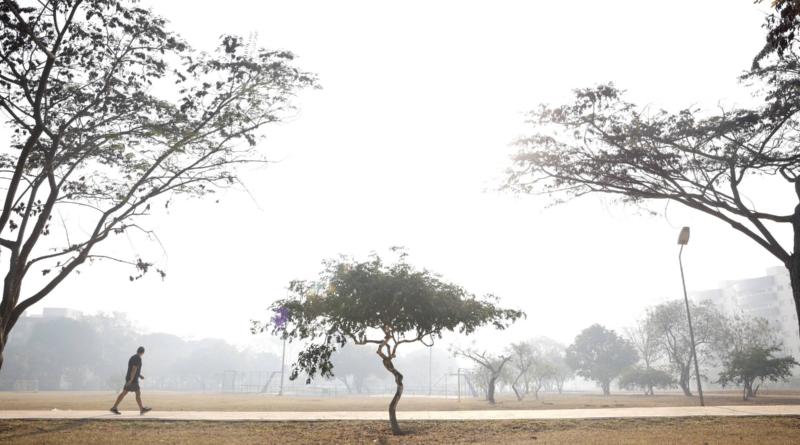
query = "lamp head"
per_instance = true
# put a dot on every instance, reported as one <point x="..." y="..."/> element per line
<point x="683" y="238"/>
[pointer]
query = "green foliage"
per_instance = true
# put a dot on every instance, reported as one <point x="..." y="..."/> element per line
<point x="755" y="364"/>
<point x="380" y="304"/>
<point x="383" y="305"/>
<point x="644" y="379"/>
<point x="600" y="355"/>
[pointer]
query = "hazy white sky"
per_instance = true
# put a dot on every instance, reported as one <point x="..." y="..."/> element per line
<point x="419" y="103"/>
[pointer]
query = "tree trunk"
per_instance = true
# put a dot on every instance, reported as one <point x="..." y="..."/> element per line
<point x="2" y="344"/>
<point x="755" y="391"/>
<point x="490" y="392"/>
<point x="794" y="261"/>
<point x="398" y="378"/>
<point x="359" y="382"/>
<point x="344" y="380"/>
<point x="514" y="387"/>
<point x="606" y="386"/>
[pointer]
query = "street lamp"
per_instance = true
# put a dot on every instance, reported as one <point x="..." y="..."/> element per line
<point x="683" y="239"/>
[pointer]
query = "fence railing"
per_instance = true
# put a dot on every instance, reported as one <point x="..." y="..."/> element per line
<point x="269" y="383"/>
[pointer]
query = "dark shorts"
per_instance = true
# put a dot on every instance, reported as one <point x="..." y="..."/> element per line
<point x="133" y="387"/>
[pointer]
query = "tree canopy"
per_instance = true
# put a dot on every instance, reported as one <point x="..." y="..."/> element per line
<point x="670" y="329"/>
<point x="599" y="143"/>
<point x="600" y="355"/>
<point x="377" y="304"/>
<point x="113" y="115"/>
<point x="754" y="364"/>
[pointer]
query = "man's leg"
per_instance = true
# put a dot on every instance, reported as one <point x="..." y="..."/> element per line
<point x="119" y="399"/>
<point x="139" y="400"/>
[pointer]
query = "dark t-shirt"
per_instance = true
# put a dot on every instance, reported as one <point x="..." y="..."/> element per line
<point x="134" y="361"/>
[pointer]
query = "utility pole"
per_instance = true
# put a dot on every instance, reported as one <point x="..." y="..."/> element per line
<point x="283" y="366"/>
<point x="683" y="239"/>
<point x="430" y="372"/>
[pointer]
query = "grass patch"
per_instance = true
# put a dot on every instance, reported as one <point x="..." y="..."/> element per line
<point x="183" y="401"/>
<point x="711" y="430"/>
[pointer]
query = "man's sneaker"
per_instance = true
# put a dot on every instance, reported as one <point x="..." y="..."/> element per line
<point x="145" y="411"/>
<point x="115" y="411"/>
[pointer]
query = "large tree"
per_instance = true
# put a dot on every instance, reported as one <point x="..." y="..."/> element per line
<point x="671" y="329"/>
<point x="377" y="304"/>
<point x="600" y="355"/>
<point x="599" y="143"/>
<point x="113" y="116"/>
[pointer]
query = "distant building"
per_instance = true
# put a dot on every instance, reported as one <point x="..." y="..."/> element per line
<point x="24" y="328"/>
<point x="769" y="297"/>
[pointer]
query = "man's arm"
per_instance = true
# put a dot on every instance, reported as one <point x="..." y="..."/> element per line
<point x="133" y="374"/>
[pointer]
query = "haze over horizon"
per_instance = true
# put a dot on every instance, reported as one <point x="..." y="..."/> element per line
<point x="408" y="139"/>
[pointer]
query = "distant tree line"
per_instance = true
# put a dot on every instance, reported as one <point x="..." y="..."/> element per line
<point x="656" y="352"/>
<point x="91" y="353"/>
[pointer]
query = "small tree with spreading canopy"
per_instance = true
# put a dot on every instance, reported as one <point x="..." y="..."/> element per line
<point x="553" y="353"/>
<point x="523" y="358"/>
<point x="378" y="304"/>
<point x="644" y="338"/>
<point x="492" y="364"/>
<point x="754" y="364"/>
<point x="645" y="379"/>
<point x="600" y="355"/>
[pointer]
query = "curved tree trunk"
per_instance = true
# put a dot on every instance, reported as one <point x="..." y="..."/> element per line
<point x="514" y="387"/>
<point x="794" y="262"/>
<point x="398" y="378"/>
<point x="490" y="392"/>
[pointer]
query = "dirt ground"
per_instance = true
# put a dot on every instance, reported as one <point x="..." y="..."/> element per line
<point x="183" y="401"/>
<point x="696" y="431"/>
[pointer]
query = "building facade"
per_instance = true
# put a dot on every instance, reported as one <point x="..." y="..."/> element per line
<point x="769" y="297"/>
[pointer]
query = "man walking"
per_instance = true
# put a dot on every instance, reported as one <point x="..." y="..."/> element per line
<point x="132" y="382"/>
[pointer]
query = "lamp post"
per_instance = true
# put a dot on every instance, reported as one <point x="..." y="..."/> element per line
<point x="683" y="239"/>
<point x="283" y="365"/>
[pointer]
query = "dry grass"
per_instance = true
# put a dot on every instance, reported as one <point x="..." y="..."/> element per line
<point x="181" y="401"/>
<point x="751" y="431"/>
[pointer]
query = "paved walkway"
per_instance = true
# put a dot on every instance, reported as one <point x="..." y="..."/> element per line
<point x="604" y="413"/>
